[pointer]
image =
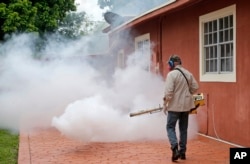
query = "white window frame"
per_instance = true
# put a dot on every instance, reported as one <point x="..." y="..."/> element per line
<point x="217" y="77"/>
<point x="147" y="49"/>
<point x="121" y="59"/>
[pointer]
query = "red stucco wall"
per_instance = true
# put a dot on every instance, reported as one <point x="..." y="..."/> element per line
<point x="226" y="114"/>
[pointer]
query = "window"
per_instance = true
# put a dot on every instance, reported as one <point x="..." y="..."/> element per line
<point x="217" y="46"/>
<point x="142" y="47"/>
<point x="121" y="59"/>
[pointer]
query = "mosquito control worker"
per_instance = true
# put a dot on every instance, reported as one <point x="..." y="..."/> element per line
<point x="179" y="87"/>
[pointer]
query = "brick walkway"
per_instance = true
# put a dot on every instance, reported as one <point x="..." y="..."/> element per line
<point x="48" y="146"/>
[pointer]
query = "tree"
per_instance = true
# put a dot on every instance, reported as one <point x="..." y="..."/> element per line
<point x="105" y="3"/>
<point x="51" y="12"/>
<point x="76" y="24"/>
<point x="112" y="4"/>
<point x="32" y="15"/>
<point x="130" y="6"/>
<point x="16" y="17"/>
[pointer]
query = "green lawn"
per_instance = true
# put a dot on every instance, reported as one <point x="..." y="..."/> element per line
<point x="8" y="147"/>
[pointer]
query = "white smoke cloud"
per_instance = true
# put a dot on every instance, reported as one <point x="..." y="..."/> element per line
<point x="75" y="96"/>
<point x="67" y="91"/>
<point x="105" y="115"/>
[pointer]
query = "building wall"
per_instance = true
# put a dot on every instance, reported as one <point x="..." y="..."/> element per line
<point x="226" y="114"/>
<point x="153" y="28"/>
<point x="124" y="39"/>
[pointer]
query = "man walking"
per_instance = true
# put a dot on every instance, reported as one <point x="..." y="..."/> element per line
<point x="179" y="87"/>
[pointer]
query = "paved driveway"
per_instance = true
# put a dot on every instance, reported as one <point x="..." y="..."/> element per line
<point x="48" y="146"/>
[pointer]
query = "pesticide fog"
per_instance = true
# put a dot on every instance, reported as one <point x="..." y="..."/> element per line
<point x="71" y="95"/>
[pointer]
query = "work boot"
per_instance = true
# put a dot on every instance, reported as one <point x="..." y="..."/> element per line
<point x="175" y="154"/>
<point x="182" y="156"/>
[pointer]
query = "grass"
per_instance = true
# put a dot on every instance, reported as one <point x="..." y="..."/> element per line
<point x="8" y="147"/>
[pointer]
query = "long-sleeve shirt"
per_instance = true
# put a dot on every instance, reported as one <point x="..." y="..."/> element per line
<point x="178" y="93"/>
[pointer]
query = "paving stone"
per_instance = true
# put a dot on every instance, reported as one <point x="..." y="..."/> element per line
<point x="48" y="146"/>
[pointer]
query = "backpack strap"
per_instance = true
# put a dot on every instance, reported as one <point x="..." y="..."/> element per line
<point x="183" y="75"/>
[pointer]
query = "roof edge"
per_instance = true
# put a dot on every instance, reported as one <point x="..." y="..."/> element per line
<point x="166" y="7"/>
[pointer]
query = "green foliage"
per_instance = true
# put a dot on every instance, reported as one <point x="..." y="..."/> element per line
<point x="71" y="25"/>
<point x="133" y="6"/>
<point x="106" y="3"/>
<point x="112" y="4"/>
<point x="8" y="147"/>
<point x="76" y="24"/>
<point x="18" y="16"/>
<point x="51" y="12"/>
